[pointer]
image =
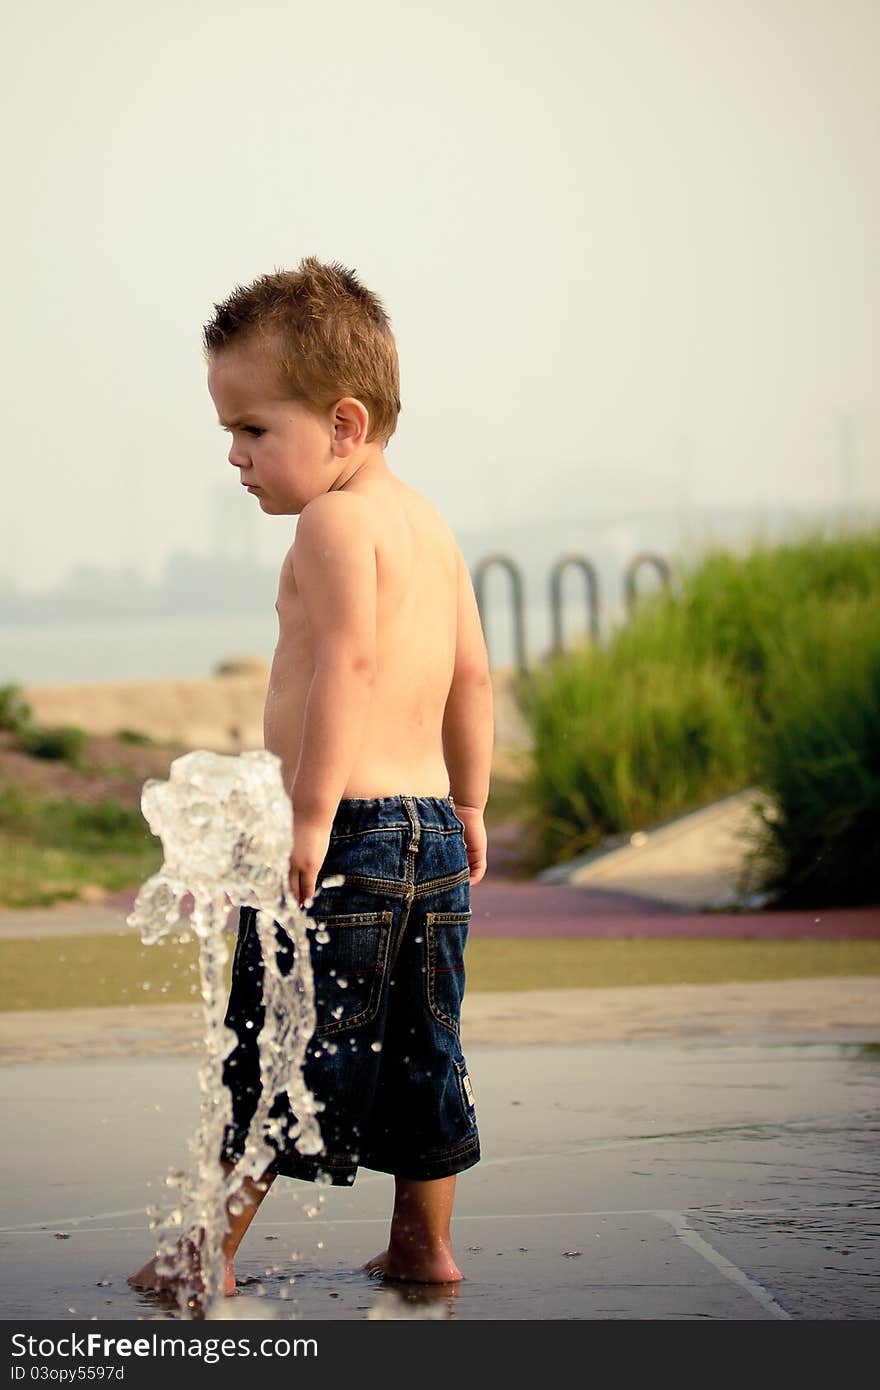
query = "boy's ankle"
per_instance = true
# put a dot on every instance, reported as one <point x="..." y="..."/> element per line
<point x="422" y="1242"/>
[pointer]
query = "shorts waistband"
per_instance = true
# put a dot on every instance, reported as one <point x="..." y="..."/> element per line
<point x="356" y="813"/>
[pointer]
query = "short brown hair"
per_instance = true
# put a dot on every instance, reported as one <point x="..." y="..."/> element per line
<point x="324" y="334"/>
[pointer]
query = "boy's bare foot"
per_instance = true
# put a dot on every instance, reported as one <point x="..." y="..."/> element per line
<point x="148" y="1279"/>
<point x="419" y="1266"/>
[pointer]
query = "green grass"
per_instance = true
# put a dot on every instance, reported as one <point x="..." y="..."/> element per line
<point x="50" y="850"/>
<point x="94" y="971"/>
<point x="553" y="963"/>
<point x="86" y="972"/>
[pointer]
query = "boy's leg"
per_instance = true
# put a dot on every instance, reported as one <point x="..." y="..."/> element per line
<point x="420" y="1244"/>
<point x="241" y="1208"/>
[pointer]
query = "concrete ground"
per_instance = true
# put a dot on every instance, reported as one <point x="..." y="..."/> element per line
<point x="687" y="1179"/>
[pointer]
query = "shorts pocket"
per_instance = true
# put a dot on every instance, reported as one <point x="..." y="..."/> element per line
<point x="349" y="957"/>
<point x="446" y="938"/>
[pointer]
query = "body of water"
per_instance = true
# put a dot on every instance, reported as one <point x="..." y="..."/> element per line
<point x="186" y="647"/>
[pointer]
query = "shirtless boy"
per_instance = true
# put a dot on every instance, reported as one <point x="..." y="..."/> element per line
<point x="379" y="706"/>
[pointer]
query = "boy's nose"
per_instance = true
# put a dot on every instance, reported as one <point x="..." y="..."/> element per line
<point x="237" y="457"/>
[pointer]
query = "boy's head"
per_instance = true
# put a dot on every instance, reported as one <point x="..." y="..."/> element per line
<point x="320" y="334"/>
<point x="299" y="362"/>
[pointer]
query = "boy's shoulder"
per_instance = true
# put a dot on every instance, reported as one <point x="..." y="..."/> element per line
<point x="373" y="514"/>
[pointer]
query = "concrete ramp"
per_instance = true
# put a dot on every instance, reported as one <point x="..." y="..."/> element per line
<point x="696" y="861"/>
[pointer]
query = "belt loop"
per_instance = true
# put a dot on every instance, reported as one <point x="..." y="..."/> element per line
<point x="416" y="826"/>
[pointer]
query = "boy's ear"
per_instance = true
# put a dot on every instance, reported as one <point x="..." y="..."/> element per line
<point x="351" y="424"/>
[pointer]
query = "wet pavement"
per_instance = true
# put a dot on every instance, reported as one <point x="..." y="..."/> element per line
<point x="671" y="1179"/>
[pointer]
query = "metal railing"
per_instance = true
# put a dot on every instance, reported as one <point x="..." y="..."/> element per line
<point x="591" y="583"/>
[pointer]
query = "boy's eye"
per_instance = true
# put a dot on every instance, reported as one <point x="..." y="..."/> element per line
<point x="254" y="430"/>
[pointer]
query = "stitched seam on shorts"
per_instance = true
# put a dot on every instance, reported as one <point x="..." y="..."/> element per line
<point x="426" y="1155"/>
<point x="400" y="888"/>
<point x="411" y="852"/>
<point x="308" y="1162"/>
<point x="402" y="825"/>
<point x="395" y="887"/>
<point x="449" y="881"/>
<point x="404" y="920"/>
<point x="369" y="830"/>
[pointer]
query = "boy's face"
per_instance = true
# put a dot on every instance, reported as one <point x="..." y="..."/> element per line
<point x="282" y="450"/>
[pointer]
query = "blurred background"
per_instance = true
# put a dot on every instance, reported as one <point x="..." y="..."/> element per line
<point x="629" y="253"/>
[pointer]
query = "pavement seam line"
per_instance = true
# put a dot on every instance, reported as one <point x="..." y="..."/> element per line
<point x="685" y="1232"/>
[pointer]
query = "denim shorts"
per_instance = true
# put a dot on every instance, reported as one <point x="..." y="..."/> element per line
<point x="385" y="1059"/>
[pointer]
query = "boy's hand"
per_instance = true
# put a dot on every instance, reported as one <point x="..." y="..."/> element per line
<point x="310" y="845"/>
<point x="475" y="840"/>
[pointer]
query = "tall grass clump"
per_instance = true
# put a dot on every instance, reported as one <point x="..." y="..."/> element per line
<point x="16" y="716"/>
<point x="819" y="757"/>
<point x="759" y="668"/>
<point x="620" y="744"/>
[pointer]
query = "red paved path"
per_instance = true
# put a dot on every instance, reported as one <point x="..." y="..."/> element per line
<point x="504" y="905"/>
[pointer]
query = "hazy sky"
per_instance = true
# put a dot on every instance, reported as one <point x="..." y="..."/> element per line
<point x="629" y="242"/>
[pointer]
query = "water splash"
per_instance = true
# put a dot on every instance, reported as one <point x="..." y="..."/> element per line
<point x="226" y="830"/>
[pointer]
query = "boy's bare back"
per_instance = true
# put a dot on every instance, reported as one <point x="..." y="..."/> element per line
<point x="424" y="611"/>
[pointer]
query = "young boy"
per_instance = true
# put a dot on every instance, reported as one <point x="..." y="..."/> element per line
<point x="379" y="706"/>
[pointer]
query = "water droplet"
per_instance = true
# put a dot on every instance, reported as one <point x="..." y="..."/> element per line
<point x="342" y="982"/>
<point x="322" y="936"/>
<point x="376" y="1047"/>
<point x="337" y="1012"/>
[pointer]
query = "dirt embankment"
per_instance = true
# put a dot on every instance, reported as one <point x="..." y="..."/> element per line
<point x="223" y="713"/>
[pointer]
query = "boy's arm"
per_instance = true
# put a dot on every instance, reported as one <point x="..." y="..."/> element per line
<point x="334" y="565"/>
<point x="468" y="724"/>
